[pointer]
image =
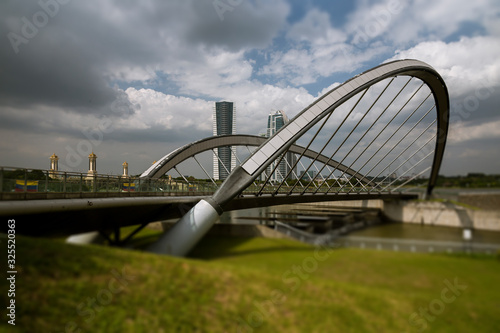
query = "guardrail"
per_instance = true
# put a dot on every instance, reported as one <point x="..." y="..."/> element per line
<point x="15" y="181"/>
<point x="48" y="181"/>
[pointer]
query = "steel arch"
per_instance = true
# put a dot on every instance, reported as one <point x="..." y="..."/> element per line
<point x="243" y="175"/>
<point x="185" y="152"/>
<point x="194" y="224"/>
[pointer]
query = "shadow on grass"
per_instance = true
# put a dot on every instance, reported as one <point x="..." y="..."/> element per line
<point x="223" y="247"/>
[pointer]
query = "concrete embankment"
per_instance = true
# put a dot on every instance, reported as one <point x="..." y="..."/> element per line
<point x="442" y="213"/>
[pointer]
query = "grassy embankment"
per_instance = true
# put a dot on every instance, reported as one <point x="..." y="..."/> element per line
<point x="255" y="285"/>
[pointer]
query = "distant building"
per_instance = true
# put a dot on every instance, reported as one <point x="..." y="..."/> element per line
<point x="275" y="121"/>
<point x="92" y="166"/>
<point x="125" y="169"/>
<point x="224" y="123"/>
<point x="54" y="166"/>
<point x="310" y="175"/>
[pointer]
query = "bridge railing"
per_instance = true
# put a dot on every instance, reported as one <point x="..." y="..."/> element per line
<point x="338" y="187"/>
<point x="35" y="180"/>
<point x="22" y="180"/>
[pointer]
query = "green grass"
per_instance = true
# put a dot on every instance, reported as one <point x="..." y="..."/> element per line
<point x="251" y="284"/>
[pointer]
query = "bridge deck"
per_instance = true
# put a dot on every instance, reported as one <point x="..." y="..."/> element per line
<point x="77" y="215"/>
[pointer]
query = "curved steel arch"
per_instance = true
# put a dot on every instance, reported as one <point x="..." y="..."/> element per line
<point x="181" y="154"/>
<point x="311" y="115"/>
<point x="193" y="225"/>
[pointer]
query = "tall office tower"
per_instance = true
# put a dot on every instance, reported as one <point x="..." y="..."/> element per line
<point x="275" y="121"/>
<point x="224" y="123"/>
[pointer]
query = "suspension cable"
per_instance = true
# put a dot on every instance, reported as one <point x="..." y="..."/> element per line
<point x="374" y="122"/>
<point x="338" y="128"/>
<point x="394" y="133"/>
<point x="381" y="146"/>
<point x="354" y="128"/>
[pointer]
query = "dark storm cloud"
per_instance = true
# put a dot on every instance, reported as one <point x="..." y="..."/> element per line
<point x="55" y="66"/>
<point x="247" y="24"/>
<point x="480" y="155"/>
<point x="158" y="134"/>
<point x="66" y="62"/>
<point x="71" y="58"/>
<point x="476" y="107"/>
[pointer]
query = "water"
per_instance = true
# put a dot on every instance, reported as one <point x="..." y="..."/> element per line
<point x="300" y="216"/>
<point x="426" y="232"/>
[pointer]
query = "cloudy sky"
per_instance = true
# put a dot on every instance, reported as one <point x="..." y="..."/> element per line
<point x="133" y="80"/>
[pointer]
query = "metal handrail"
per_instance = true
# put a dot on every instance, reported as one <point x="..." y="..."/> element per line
<point x="14" y="179"/>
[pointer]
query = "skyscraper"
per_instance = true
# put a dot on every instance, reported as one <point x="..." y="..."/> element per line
<point x="224" y="123"/>
<point x="275" y="121"/>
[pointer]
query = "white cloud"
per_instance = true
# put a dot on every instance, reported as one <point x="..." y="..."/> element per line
<point x="216" y="70"/>
<point x="167" y="112"/>
<point x="465" y="65"/>
<point x="253" y="103"/>
<point x="318" y="49"/>
<point x="408" y="22"/>
<point x="315" y="28"/>
<point x="371" y="20"/>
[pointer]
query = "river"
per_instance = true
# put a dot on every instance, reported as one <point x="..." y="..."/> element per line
<point x="302" y="215"/>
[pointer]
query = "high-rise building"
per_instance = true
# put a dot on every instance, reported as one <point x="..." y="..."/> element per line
<point x="275" y="121"/>
<point x="224" y="123"/>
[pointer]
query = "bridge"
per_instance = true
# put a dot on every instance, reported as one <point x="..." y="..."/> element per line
<point x="379" y="135"/>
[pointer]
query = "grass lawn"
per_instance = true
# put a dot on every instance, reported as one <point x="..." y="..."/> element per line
<point x="250" y="285"/>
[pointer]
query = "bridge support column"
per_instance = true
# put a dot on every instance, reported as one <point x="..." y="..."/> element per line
<point x="184" y="235"/>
